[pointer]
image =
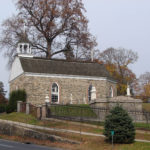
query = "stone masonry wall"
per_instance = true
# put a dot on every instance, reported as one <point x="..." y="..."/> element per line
<point x="38" y="87"/>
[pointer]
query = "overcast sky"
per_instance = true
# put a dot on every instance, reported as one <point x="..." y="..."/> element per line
<point x="115" y="23"/>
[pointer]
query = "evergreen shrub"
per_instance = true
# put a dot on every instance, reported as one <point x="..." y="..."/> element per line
<point x="3" y="108"/>
<point x="121" y="123"/>
<point x="19" y="95"/>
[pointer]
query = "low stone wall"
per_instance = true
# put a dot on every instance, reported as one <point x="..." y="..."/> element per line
<point x="101" y="107"/>
<point x="16" y="130"/>
<point x="132" y="106"/>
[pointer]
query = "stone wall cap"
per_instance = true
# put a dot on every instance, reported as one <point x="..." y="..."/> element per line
<point x="124" y="99"/>
<point x="27" y="102"/>
<point x="99" y="101"/>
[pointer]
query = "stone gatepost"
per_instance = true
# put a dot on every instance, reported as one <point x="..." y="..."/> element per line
<point x="39" y="115"/>
<point x="19" y="106"/>
<point x="27" y="108"/>
<point x="44" y="111"/>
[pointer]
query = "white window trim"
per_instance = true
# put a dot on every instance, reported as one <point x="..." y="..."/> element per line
<point x="55" y="92"/>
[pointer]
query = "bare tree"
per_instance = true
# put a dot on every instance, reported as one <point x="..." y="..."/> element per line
<point x="119" y="57"/>
<point x="143" y="86"/>
<point x="52" y="26"/>
<point x="117" y="62"/>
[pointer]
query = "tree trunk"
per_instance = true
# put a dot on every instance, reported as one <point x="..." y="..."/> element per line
<point x="48" y="53"/>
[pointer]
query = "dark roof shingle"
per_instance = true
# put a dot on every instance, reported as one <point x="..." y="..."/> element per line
<point x="34" y="65"/>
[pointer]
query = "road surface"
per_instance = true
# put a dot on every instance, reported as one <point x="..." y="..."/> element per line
<point x="10" y="145"/>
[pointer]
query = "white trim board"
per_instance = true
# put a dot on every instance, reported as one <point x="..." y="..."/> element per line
<point x="68" y="77"/>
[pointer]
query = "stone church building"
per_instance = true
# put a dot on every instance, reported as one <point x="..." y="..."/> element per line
<point x="59" y="81"/>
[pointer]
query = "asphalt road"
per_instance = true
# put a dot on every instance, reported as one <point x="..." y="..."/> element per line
<point x="10" y="145"/>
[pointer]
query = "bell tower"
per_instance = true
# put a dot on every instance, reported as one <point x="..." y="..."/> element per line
<point x="24" y="48"/>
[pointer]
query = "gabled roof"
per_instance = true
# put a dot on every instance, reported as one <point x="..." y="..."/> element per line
<point x="37" y="65"/>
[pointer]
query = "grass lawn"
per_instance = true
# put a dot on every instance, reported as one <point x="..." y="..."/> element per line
<point x="99" y="143"/>
<point x="105" y="146"/>
<point x="142" y="126"/>
<point x="29" y="119"/>
<point x="20" y="117"/>
<point x="73" y="111"/>
<point x="87" y="142"/>
<point x="135" y="146"/>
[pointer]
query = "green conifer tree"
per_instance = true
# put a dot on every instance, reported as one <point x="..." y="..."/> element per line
<point x="121" y="123"/>
<point x="19" y="95"/>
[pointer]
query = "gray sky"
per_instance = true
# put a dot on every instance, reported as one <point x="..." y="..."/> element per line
<point x="115" y="23"/>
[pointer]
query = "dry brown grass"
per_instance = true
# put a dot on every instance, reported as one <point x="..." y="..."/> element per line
<point x="87" y="143"/>
<point x="68" y="126"/>
<point x="143" y="136"/>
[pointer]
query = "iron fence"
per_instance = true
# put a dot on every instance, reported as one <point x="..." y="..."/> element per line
<point x="88" y="114"/>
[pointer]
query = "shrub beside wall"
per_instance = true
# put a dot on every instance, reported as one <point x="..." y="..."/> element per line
<point x="3" y="108"/>
<point x="19" y="95"/>
<point x="119" y="121"/>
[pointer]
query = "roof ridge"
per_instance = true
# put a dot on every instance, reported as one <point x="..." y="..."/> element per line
<point x="63" y="60"/>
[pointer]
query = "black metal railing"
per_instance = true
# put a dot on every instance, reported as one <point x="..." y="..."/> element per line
<point x="87" y="114"/>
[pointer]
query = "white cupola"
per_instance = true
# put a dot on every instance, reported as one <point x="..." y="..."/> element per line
<point x="24" y="48"/>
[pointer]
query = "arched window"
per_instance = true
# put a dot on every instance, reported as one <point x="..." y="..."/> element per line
<point x="55" y="93"/>
<point x="90" y="92"/>
<point x="111" y="92"/>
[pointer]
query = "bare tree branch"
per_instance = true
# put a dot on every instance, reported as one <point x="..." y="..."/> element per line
<point x="51" y="24"/>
